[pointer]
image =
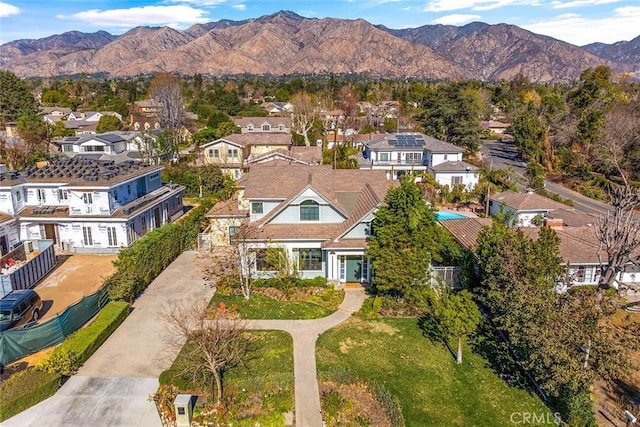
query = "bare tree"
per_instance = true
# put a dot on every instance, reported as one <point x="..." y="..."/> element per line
<point x="165" y="89"/>
<point x="305" y="112"/>
<point x="619" y="230"/>
<point x="234" y="261"/>
<point x="210" y="340"/>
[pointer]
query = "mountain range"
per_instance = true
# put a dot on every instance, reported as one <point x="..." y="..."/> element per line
<point x="286" y="43"/>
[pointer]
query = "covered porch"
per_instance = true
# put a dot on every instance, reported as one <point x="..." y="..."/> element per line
<point x="347" y="263"/>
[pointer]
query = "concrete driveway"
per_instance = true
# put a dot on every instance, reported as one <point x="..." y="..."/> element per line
<point x="113" y="387"/>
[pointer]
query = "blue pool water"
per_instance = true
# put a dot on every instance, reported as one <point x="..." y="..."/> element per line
<point x="440" y="216"/>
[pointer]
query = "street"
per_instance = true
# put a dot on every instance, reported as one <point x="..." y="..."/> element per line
<point x="500" y="155"/>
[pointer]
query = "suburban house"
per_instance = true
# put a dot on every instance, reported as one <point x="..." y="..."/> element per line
<point x="114" y="142"/>
<point x="51" y="115"/>
<point x="263" y="124"/>
<point x="525" y="209"/>
<point x="273" y="107"/>
<point x="86" y="205"/>
<point x="320" y="216"/>
<point x="236" y="153"/>
<point x="86" y="123"/>
<point x="495" y="126"/>
<point x="401" y="153"/>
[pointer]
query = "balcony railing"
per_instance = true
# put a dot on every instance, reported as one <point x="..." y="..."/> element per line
<point x="404" y="162"/>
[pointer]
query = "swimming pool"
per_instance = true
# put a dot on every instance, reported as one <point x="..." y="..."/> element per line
<point x="441" y="216"/>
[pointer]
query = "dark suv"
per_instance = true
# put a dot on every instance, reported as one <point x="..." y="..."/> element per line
<point x="19" y="307"/>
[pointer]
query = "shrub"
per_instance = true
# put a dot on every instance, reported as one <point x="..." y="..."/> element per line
<point x="63" y="362"/>
<point x="25" y="389"/>
<point x="86" y="341"/>
<point x="290" y="282"/>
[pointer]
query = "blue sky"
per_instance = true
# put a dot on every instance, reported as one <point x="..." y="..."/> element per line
<point x="575" y="21"/>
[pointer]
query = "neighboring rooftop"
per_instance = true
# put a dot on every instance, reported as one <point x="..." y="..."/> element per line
<point x="412" y="141"/>
<point x="526" y="201"/>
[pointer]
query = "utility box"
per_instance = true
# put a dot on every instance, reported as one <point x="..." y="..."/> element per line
<point x="184" y="410"/>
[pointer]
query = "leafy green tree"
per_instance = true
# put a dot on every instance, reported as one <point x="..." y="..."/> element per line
<point x="58" y="129"/>
<point x="459" y="317"/>
<point x="56" y="98"/>
<point x="108" y="123"/>
<point x="16" y="98"/>
<point x="404" y="240"/>
<point x="535" y="173"/>
<point x="527" y="133"/>
<point x="227" y="128"/>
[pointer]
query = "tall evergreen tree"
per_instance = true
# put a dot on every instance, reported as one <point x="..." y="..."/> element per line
<point x="404" y="240"/>
<point x="16" y="99"/>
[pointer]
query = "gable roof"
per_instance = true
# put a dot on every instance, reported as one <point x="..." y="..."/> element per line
<point x="578" y="245"/>
<point x="526" y="201"/>
<point x="466" y="230"/>
<point x="259" y="121"/>
<point x="257" y="138"/>
<point x="107" y="138"/>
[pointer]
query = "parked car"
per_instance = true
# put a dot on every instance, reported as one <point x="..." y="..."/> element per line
<point x="19" y="307"/>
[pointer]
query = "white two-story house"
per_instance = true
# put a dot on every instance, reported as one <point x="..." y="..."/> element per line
<point x="114" y="142"/>
<point x="401" y="153"/>
<point x="320" y="216"/>
<point x="86" y="205"/>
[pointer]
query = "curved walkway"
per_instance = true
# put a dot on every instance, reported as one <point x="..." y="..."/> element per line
<point x="305" y="333"/>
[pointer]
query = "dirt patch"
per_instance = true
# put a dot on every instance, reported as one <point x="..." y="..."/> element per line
<point x="74" y="277"/>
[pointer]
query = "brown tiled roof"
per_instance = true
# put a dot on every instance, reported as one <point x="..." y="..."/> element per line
<point x="465" y="231"/>
<point x="578" y="245"/>
<point x="571" y="217"/>
<point x="264" y="182"/>
<point x="260" y="138"/>
<point x="292" y="231"/>
<point x="526" y="201"/>
<point x="366" y="202"/>
<point x="310" y="155"/>
<point x="258" y="121"/>
<point x="227" y="208"/>
<point x="345" y="244"/>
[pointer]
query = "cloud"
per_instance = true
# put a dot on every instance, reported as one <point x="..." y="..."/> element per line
<point x="199" y="2"/>
<point x="240" y="6"/>
<point x="579" y="3"/>
<point x="448" y="5"/>
<point x="173" y="16"/>
<point x="456" y="19"/>
<point x="579" y="30"/>
<point x="7" y="9"/>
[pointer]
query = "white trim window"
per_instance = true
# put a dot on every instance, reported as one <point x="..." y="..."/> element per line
<point x="87" y="237"/>
<point x="112" y="237"/>
<point x="41" y="195"/>
<point x="87" y="198"/>
<point x="309" y="211"/>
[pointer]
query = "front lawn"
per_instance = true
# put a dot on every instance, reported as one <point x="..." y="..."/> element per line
<point x="432" y="390"/>
<point x="304" y="303"/>
<point x="258" y="393"/>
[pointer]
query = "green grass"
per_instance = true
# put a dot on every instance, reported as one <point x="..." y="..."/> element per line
<point x="263" y="387"/>
<point x="263" y="307"/>
<point x="432" y="389"/>
<point x="25" y="389"/>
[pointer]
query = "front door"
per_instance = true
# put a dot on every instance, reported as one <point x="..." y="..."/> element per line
<point x="50" y="232"/>
<point x="354" y="269"/>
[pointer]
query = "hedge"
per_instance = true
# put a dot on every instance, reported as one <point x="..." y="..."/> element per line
<point x="139" y="264"/>
<point x="76" y="349"/>
<point x="25" y="389"/>
<point x="290" y="282"/>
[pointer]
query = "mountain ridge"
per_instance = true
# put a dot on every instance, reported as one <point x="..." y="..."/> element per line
<point x="286" y="43"/>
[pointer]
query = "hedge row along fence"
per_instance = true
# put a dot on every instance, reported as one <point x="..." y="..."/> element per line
<point x="139" y="264"/>
<point x="33" y="385"/>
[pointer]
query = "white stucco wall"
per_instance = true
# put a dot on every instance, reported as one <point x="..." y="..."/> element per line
<point x="469" y="179"/>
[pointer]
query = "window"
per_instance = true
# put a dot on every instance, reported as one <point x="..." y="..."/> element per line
<point x="154" y="176"/>
<point x="310" y="259"/>
<point x="232" y="152"/>
<point x="309" y="211"/>
<point x="86" y="236"/>
<point x="233" y="230"/>
<point x="67" y="148"/>
<point x="18" y="196"/>
<point x="111" y="235"/>
<point x="249" y="128"/>
<point x="413" y="158"/>
<point x="444" y="157"/>
<point x="87" y="198"/>
<point x="262" y="260"/>
<point x="62" y="195"/>
<point x="257" y="208"/>
<point x="456" y="180"/>
<point x="281" y="128"/>
<point x="383" y="157"/>
<point x="214" y="153"/>
<point x="128" y="188"/>
<point x="266" y="127"/>
<point x="42" y="198"/>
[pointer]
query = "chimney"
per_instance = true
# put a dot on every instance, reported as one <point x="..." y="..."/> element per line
<point x="554" y="223"/>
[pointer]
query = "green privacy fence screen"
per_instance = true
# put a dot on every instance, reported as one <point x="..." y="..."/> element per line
<point x="18" y="343"/>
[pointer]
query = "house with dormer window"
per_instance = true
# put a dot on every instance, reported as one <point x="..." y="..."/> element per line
<point x="320" y="216"/>
<point x="263" y="124"/>
<point x="85" y="205"/>
<point x="408" y="152"/>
